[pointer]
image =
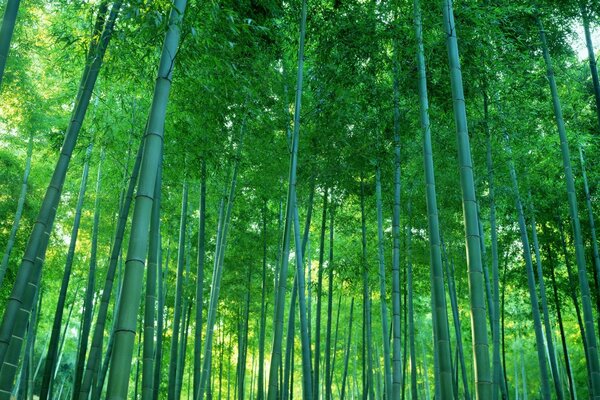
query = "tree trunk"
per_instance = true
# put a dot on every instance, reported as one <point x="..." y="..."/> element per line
<point x="382" y="290"/>
<point x="498" y="377"/>
<point x="276" y="358"/>
<point x="90" y="290"/>
<point x="411" y="325"/>
<point x="304" y="329"/>
<point x="243" y="339"/>
<point x="573" y="295"/>
<point x="456" y="319"/>
<point x="173" y="360"/>
<point x="6" y="32"/>
<point x="397" y="376"/>
<point x="561" y="327"/>
<point x="441" y="333"/>
<point x="548" y="328"/>
<point x="316" y="369"/>
<point x="160" y="321"/>
<point x="95" y="356"/>
<point x="134" y="268"/>
<point x="483" y="379"/>
<point x="593" y="360"/>
<point x="368" y="389"/>
<point x="21" y="202"/>
<point x="224" y="220"/>
<point x="150" y="301"/>
<point x="347" y="357"/>
<point x="328" y="363"/>
<point x="200" y="281"/>
<point x="594" y="240"/>
<point x="55" y="336"/>
<point x="29" y="273"/>
<point x="537" y="323"/>
<point x="291" y="317"/>
<point x="585" y="17"/>
<point x="263" y="312"/>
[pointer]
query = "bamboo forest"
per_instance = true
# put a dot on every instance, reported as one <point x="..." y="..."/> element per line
<point x="299" y="199"/>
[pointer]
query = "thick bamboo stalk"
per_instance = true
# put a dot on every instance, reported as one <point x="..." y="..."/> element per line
<point x="118" y="380"/>
<point x="483" y="378"/>
<point x="6" y="32"/>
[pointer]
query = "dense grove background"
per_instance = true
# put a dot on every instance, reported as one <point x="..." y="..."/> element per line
<point x="234" y="75"/>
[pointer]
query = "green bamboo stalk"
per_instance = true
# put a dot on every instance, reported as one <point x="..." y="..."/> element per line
<point x="335" y="346"/>
<point x="200" y="280"/>
<point x="224" y="220"/>
<point x="185" y="324"/>
<point x="329" y="365"/>
<point x="573" y="295"/>
<point x="27" y="279"/>
<point x="483" y="378"/>
<point x="286" y="387"/>
<point x="537" y="323"/>
<point x="304" y="327"/>
<point x="425" y="373"/>
<point x="441" y="333"/>
<point x="558" y="390"/>
<point x="245" y="326"/>
<point x="20" y="204"/>
<point x="557" y="305"/>
<point x="263" y="315"/>
<point x="486" y="272"/>
<point x="523" y="377"/>
<point x="592" y="223"/>
<point x="498" y="376"/>
<point x="173" y="360"/>
<point x="95" y="356"/>
<point x="137" y="361"/>
<point x="90" y="290"/>
<point x="382" y="290"/>
<point x="585" y="18"/>
<point x="367" y="356"/>
<point x="19" y="330"/>
<point x="276" y="356"/>
<point x="584" y="287"/>
<point x="25" y="386"/>
<point x="317" y="361"/>
<point x="56" y="325"/>
<point x="449" y="268"/>
<point x="134" y="268"/>
<point x="347" y="357"/>
<point x="397" y="376"/>
<point x="160" y="321"/>
<point x="150" y="301"/>
<point x="6" y="32"/>
<point x="62" y="342"/>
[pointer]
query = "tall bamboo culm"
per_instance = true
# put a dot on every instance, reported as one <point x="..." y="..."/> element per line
<point x="128" y="307"/>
